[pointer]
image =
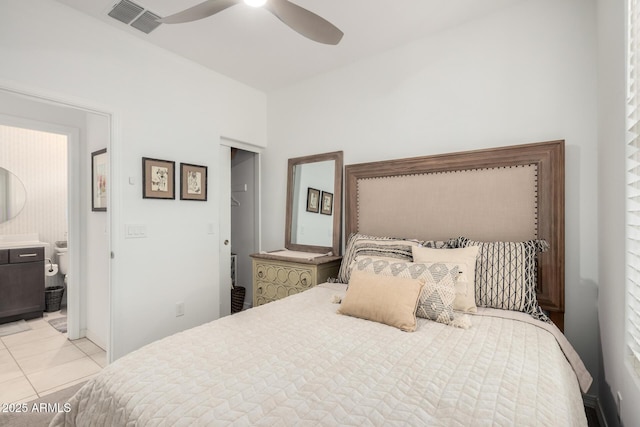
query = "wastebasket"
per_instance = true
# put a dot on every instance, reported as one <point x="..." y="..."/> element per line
<point x="237" y="298"/>
<point x="53" y="298"/>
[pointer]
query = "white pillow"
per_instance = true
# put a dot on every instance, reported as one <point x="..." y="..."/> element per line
<point x="466" y="259"/>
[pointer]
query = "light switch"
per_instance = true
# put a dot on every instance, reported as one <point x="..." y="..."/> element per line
<point x="135" y="231"/>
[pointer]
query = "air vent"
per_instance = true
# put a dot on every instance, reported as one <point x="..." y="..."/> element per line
<point x="147" y="22"/>
<point x="127" y="12"/>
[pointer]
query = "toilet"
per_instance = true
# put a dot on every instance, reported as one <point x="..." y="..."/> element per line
<point x="63" y="258"/>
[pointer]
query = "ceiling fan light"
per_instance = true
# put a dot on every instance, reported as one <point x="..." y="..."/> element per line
<point x="255" y="3"/>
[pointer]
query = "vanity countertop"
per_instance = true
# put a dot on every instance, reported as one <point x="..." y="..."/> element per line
<point x="16" y="241"/>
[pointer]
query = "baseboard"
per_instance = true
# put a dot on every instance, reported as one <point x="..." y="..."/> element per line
<point x="94" y="339"/>
<point x="594" y="403"/>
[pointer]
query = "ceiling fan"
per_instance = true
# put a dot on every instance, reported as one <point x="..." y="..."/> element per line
<point x="297" y="18"/>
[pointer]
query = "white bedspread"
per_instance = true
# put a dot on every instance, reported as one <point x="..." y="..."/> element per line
<point x="297" y="362"/>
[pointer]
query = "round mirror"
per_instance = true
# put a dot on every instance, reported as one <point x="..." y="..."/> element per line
<point x="13" y="195"/>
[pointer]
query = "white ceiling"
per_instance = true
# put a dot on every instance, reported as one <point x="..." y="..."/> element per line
<point x="252" y="46"/>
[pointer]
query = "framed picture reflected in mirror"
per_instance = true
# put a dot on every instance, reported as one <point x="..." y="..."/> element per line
<point x="326" y="207"/>
<point x="313" y="200"/>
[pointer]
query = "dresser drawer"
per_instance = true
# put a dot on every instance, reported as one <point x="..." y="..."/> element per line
<point x="269" y="291"/>
<point x="274" y="279"/>
<point x="283" y="274"/>
<point x="4" y="256"/>
<point x="17" y="256"/>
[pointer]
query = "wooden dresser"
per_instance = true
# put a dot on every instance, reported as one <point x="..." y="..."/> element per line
<point x="275" y="277"/>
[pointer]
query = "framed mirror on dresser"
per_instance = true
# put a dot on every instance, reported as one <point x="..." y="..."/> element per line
<point x="312" y="230"/>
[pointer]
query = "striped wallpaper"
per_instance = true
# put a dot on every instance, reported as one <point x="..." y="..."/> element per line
<point x="39" y="160"/>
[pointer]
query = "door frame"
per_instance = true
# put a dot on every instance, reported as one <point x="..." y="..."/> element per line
<point x="74" y="315"/>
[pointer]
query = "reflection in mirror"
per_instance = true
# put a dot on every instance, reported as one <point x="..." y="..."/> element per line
<point x="307" y="227"/>
<point x="314" y="194"/>
<point x="13" y="195"/>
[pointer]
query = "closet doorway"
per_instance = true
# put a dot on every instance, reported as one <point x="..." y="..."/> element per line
<point x="239" y="219"/>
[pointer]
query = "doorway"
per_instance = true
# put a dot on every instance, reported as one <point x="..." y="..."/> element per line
<point x="239" y="219"/>
<point x="87" y="232"/>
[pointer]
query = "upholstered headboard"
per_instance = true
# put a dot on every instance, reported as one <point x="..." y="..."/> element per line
<point x="511" y="193"/>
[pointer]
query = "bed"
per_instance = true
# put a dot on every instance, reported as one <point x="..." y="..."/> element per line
<point x="297" y="361"/>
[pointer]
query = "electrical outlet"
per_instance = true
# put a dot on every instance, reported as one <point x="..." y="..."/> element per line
<point x="618" y="401"/>
<point x="179" y="309"/>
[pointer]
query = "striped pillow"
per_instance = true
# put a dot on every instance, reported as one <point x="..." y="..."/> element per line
<point x="506" y="275"/>
<point x="387" y="247"/>
<point x="361" y="244"/>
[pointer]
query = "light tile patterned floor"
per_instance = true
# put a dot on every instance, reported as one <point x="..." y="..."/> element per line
<point x="42" y="360"/>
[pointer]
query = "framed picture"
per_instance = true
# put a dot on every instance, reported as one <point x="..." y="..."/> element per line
<point x="313" y="200"/>
<point x="326" y="206"/>
<point x="193" y="182"/>
<point x="99" y="165"/>
<point x="158" y="179"/>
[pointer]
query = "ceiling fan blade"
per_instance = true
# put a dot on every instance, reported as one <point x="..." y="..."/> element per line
<point x="305" y="22"/>
<point x="199" y="11"/>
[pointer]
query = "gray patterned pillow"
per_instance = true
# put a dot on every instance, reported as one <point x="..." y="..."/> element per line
<point x="387" y="247"/>
<point x="360" y="244"/>
<point x="439" y="292"/>
<point x="506" y="275"/>
<point x="436" y="302"/>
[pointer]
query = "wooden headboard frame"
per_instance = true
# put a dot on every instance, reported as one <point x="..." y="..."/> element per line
<point x="548" y="157"/>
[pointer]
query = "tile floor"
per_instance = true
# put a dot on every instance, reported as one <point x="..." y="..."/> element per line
<point x="41" y="361"/>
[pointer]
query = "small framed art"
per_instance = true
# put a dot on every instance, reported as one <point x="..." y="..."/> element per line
<point x="193" y="182"/>
<point x="326" y="207"/>
<point x="158" y="179"/>
<point x="99" y="162"/>
<point x="313" y="200"/>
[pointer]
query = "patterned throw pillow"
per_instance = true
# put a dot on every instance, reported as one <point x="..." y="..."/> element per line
<point x="465" y="285"/>
<point x="360" y="244"/>
<point x="506" y="275"/>
<point x="439" y="292"/>
<point x="387" y="247"/>
<point x="436" y="302"/>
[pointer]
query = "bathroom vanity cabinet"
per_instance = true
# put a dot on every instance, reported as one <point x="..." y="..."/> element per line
<point x="21" y="283"/>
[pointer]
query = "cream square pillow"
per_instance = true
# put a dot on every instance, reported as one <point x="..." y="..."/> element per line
<point x="465" y="299"/>
<point x="389" y="300"/>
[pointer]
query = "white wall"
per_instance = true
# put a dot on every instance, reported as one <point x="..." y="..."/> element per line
<point x="617" y="376"/>
<point x="164" y="107"/>
<point x="524" y="74"/>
